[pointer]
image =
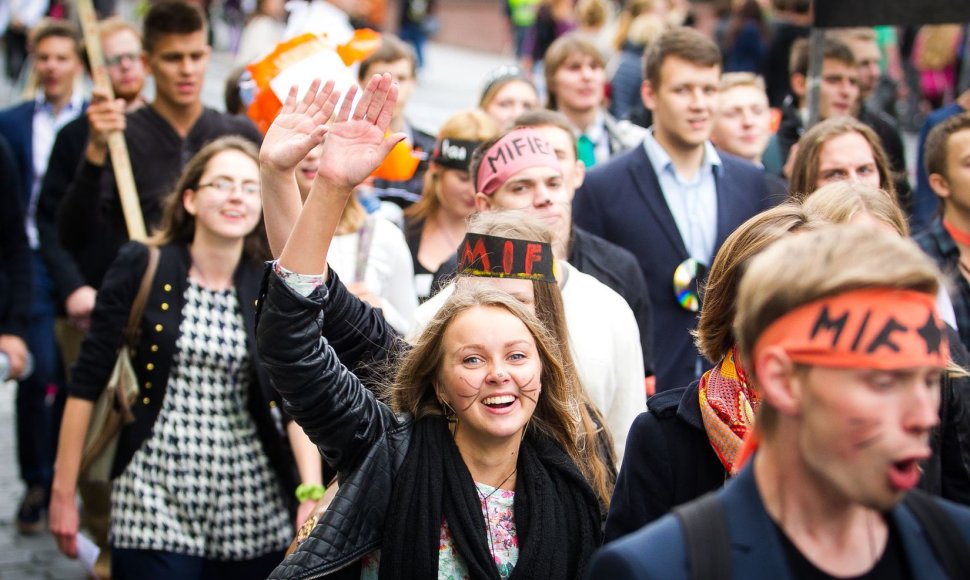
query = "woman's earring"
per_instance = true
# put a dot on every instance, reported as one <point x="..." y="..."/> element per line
<point x="450" y="415"/>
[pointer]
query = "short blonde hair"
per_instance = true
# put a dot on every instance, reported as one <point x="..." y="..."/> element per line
<point x="839" y="202"/>
<point x="740" y="79"/>
<point x="825" y="261"/>
<point x="115" y="24"/>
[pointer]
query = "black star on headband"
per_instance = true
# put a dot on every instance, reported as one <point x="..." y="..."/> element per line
<point x="931" y="334"/>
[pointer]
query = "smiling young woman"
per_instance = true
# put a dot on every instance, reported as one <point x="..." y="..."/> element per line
<point x="205" y="447"/>
<point x="470" y="468"/>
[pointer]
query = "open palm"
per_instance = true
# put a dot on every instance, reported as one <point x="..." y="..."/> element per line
<point x="357" y="144"/>
<point x="299" y="127"/>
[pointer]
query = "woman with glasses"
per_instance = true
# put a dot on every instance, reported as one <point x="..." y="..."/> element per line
<point x="201" y="478"/>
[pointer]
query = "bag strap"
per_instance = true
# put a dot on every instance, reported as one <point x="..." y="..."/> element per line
<point x="138" y="306"/>
<point x="364" y="240"/>
<point x="945" y="537"/>
<point x="705" y="538"/>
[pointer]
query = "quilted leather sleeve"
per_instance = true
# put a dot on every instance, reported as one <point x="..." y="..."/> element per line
<point x="339" y="415"/>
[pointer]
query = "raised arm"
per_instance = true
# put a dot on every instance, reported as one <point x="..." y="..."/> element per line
<point x="355" y="146"/>
<point x="300" y="126"/>
<point x="335" y="411"/>
<point x="340" y="416"/>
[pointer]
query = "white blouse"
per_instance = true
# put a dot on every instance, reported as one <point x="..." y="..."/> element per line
<point x="388" y="273"/>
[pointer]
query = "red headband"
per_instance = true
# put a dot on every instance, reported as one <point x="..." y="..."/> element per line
<point x="872" y="328"/>
<point x="519" y="149"/>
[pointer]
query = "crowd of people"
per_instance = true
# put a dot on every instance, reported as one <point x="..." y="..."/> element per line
<point x="631" y="316"/>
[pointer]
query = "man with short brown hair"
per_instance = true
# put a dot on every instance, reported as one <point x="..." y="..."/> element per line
<point x="673" y="200"/>
<point x="841" y="95"/>
<point x="161" y="136"/>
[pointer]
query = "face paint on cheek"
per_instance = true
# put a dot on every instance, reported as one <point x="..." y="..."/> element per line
<point x="472" y="397"/>
<point x="864" y="433"/>
<point x="529" y="391"/>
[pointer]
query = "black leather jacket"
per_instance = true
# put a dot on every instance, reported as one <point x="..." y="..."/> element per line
<point x="357" y="435"/>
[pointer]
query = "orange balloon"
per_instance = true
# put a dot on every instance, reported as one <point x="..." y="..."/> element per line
<point x="400" y="164"/>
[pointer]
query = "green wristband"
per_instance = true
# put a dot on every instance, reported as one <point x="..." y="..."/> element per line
<point x="306" y="491"/>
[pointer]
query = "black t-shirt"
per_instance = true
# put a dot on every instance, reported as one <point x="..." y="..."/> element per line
<point x="892" y="565"/>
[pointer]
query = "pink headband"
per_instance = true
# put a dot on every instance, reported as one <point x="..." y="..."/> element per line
<point x="519" y="149"/>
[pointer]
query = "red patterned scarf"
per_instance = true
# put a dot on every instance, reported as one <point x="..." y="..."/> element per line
<point x="728" y="407"/>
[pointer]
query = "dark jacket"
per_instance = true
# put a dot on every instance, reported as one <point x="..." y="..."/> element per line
<point x="64" y="264"/>
<point x="90" y="215"/>
<point x="658" y="551"/>
<point x="669" y="459"/>
<point x="156" y="352"/>
<point x="17" y="127"/>
<point x="774" y="68"/>
<point x="357" y="435"/>
<point x="626" y="81"/>
<point x="15" y="254"/>
<point x="621" y="201"/>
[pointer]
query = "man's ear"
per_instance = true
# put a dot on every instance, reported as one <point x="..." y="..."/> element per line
<point x="483" y="202"/>
<point x="940" y="185"/>
<point x="798" y="82"/>
<point x="648" y="95"/>
<point x="777" y="380"/>
<point x="579" y="175"/>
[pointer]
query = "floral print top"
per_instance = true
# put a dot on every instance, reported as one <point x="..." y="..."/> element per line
<point x="504" y="542"/>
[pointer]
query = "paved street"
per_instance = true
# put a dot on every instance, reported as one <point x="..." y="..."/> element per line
<point x="451" y="82"/>
<point x="23" y="557"/>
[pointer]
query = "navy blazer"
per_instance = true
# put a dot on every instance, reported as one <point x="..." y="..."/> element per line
<point x="622" y="202"/>
<point x="658" y="550"/>
<point x="17" y="125"/>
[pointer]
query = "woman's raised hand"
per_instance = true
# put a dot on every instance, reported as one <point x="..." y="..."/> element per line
<point x="299" y="127"/>
<point x="357" y="143"/>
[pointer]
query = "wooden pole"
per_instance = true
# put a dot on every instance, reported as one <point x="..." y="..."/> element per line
<point x="120" y="162"/>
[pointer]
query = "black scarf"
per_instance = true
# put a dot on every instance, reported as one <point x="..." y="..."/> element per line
<point x="557" y="514"/>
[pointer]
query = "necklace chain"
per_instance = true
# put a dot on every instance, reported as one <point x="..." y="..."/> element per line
<point x="485" y="498"/>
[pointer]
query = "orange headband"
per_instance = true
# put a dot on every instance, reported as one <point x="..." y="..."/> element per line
<point x="872" y="328"/>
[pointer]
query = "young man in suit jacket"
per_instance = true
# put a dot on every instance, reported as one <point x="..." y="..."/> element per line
<point x="30" y="127"/>
<point x="673" y="201"/>
<point x="847" y="355"/>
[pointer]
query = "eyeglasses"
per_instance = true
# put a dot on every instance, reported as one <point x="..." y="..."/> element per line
<point x="226" y="185"/>
<point x="687" y="278"/>
<point x="119" y="59"/>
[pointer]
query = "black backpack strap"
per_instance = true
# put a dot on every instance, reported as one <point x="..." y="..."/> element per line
<point x="706" y="538"/>
<point x="945" y="537"/>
